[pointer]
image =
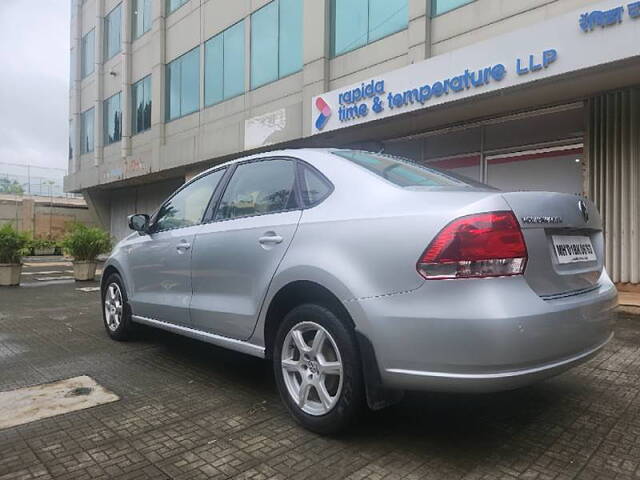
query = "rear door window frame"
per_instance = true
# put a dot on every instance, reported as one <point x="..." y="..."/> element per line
<point x="210" y="216"/>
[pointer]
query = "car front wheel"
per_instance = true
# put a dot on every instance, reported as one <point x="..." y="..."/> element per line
<point x="317" y="369"/>
<point x="115" y="311"/>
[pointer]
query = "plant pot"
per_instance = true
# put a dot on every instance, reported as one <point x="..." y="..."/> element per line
<point x="10" y="274"/>
<point x="44" y="251"/>
<point x="84" y="271"/>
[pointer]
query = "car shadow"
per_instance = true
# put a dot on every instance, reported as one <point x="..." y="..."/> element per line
<point x="462" y="421"/>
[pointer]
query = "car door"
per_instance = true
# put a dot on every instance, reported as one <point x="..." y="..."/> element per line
<point x="160" y="261"/>
<point x="236" y="254"/>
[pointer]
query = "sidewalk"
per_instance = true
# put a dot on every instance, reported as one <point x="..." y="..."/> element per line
<point x="629" y="298"/>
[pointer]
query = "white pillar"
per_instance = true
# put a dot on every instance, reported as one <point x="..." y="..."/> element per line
<point x="99" y="73"/>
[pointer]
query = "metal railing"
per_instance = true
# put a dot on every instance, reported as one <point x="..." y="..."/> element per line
<point x="20" y="179"/>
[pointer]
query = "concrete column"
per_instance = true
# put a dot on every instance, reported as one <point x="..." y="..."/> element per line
<point x="28" y="215"/>
<point x="419" y="30"/>
<point x="315" y="55"/>
<point x="99" y="73"/>
<point x="75" y="83"/>
<point x="125" y="96"/>
<point x="99" y="203"/>
<point x="158" y="31"/>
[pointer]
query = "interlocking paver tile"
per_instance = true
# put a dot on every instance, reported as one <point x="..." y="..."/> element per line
<point x="190" y="410"/>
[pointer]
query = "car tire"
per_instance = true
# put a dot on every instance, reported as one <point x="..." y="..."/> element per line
<point x="325" y="371"/>
<point x="116" y="313"/>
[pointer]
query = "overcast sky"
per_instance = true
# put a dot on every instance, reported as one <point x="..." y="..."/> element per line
<point x="34" y="82"/>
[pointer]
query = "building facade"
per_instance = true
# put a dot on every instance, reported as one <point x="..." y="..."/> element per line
<point x="526" y="95"/>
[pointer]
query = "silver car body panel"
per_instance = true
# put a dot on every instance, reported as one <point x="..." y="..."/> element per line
<point x="362" y="243"/>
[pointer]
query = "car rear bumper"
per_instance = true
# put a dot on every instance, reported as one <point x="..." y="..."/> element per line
<point x="482" y="335"/>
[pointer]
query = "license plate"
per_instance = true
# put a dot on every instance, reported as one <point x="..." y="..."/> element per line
<point x="573" y="248"/>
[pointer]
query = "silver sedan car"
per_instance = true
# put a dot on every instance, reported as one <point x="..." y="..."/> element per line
<point x="361" y="275"/>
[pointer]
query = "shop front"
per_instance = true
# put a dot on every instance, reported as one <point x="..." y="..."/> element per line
<point x="554" y="106"/>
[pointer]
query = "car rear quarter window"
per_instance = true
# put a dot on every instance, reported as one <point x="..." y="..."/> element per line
<point x="315" y="187"/>
<point x="400" y="171"/>
<point x="258" y="188"/>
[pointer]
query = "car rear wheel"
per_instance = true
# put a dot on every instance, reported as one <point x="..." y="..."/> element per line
<point x="115" y="311"/>
<point x="317" y="369"/>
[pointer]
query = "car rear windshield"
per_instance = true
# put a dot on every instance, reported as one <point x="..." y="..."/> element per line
<point x="402" y="171"/>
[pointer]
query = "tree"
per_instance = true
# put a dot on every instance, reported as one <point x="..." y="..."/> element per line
<point x="8" y="186"/>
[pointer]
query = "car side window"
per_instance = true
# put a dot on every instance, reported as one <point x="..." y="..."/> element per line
<point x="315" y="187"/>
<point x="257" y="188"/>
<point x="187" y="207"/>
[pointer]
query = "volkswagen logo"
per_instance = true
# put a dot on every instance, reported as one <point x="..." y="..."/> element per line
<point x="583" y="210"/>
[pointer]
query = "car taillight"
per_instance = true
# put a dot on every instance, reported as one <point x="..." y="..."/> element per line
<point x="482" y="245"/>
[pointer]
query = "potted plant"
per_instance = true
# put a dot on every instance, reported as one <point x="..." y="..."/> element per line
<point x="12" y="247"/>
<point x="42" y="246"/>
<point x="84" y="244"/>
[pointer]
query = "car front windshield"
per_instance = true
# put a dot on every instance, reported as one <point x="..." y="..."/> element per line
<point x="404" y="172"/>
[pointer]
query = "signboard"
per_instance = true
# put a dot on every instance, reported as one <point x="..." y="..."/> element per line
<point x="603" y="33"/>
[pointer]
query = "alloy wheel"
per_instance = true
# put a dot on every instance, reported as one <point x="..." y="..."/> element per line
<point x="312" y="368"/>
<point x="113" y="306"/>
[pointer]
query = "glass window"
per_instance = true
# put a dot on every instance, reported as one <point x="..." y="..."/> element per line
<point x="276" y="41"/>
<point x="290" y="39"/>
<point x="112" y="32"/>
<point x="183" y="85"/>
<point x="141" y="101"/>
<point x="88" y="54"/>
<point x="315" y="187"/>
<point x="257" y="188"/>
<point x="224" y="65"/>
<point x="174" y="5"/>
<point x="141" y="22"/>
<point x="387" y="17"/>
<point x="402" y="172"/>
<point x="187" y="207"/>
<point x="443" y="6"/>
<point x="349" y="19"/>
<point x="264" y="45"/>
<point x="112" y="119"/>
<point x="86" y="131"/>
<point x="354" y="23"/>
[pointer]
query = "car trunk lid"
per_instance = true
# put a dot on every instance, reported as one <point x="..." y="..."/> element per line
<point x="564" y="239"/>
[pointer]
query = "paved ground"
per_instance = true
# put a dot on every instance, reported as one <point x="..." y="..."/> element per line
<point x="190" y="410"/>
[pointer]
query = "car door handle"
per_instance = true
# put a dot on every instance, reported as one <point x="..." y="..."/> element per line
<point x="267" y="239"/>
<point x="181" y="247"/>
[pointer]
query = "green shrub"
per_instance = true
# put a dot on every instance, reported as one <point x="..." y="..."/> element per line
<point x="12" y="244"/>
<point x="86" y="243"/>
<point x="40" y="243"/>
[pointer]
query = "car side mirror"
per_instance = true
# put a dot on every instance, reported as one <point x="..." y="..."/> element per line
<point x="139" y="222"/>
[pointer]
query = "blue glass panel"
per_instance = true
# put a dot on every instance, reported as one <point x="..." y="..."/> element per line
<point x="112" y="119"/>
<point x="442" y="6"/>
<point x="387" y="17"/>
<point x="174" y="4"/>
<point x="190" y="82"/>
<point x="86" y="131"/>
<point x="264" y="45"/>
<point x="290" y="57"/>
<point x="141" y="11"/>
<point x="88" y="53"/>
<point x="147" y="102"/>
<point x="173" y="90"/>
<point x="213" y="70"/>
<point x="112" y="30"/>
<point x="141" y="101"/>
<point x="349" y="25"/>
<point x="234" y="60"/>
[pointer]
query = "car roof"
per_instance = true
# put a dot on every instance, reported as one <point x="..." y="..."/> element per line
<point x="288" y="152"/>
